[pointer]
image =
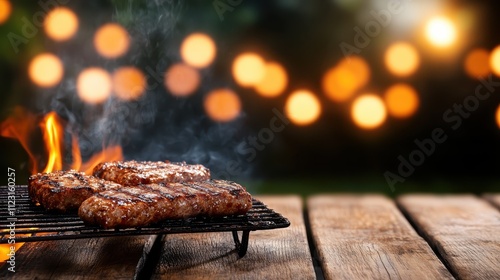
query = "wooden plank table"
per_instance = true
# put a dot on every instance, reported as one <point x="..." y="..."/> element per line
<point x="331" y="236"/>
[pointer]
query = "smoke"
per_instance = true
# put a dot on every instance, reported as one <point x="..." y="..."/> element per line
<point x="158" y="126"/>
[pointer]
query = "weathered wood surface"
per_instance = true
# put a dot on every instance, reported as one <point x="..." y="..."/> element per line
<point x="272" y="254"/>
<point x="493" y="199"/>
<point x="96" y="258"/>
<point x="366" y="237"/>
<point x="464" y="229"/>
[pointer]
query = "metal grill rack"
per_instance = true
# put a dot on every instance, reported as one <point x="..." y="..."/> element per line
<point x="33" y="223"/>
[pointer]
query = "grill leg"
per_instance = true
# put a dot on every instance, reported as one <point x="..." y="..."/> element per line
<point x="242" y="246"/>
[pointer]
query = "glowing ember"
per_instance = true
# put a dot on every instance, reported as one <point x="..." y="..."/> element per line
<point x="61" y="24"/>
<point x="302" y="107"/>
<point x="477" y="63"/>
<point x="129" y="83"/>
<point x="182" y="80"/>
<point x="440" y="32"/>
<point x="198" y="50"/>
<point x="248" y="69"/>
<point x="52" y="134"/>
<point x="401" y="100"/>
<point x="342" y="81"/>
<point x="402" y="59"/>
<point x="368" y="111"/>
<point x="274" y="82"/>
<point x="46" y="70"/>
<point x="5" y="10"/>
<point x="495" y="61"/>
<point x="94" y="85"/>
<point x="111" y="40"/>
<point x="222" y="105"/>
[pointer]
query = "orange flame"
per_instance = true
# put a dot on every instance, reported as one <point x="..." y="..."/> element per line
<point x="52" y="134"/>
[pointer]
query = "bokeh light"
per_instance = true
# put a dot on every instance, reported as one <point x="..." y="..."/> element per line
<point x="5" y="10"/>
<point x="129" y="83"/>
<point x="181" y="79"/>
<point x="111" y="40"/>
<point x="402" y="100"/>
<point x="198" y="50"/>
<point x="302" y="107"/>
<point x="498" y="116"/>
<point x="495" y="61"/>
<point x="402" y="59"/>
<point x="368" y="111"/>
<point x="222" y="105"/>
<point x="248" y="69"/>
<point x="61" y="24"/>
<point x="343" y="80"/>
<point x="440" y="32"/>
<point x="274" y="82"/>
<point x="94" y="85"/>
<point x="46" y="70"/>
<point x="477" y="63"/>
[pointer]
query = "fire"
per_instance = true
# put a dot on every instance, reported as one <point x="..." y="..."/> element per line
<point x="112" y="153"/>
<point x="52" y="133"/>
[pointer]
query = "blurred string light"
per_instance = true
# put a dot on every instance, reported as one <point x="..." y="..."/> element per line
<point x="46" y="70"/>
<point x="440" y="32"/>
<point x="5" y="10"/>
<point x="477" y="63"/>
<point x="274" y="82"/>
<point x="222" y="105"/>
<point x="61" y="24"/>
<point x="402" y="100"/>
<point x="182" y="79"/>
<point x="344" y="79"/>
<point x="248" y="69"/>
<point x="198" y="50"/>
<point x="94" y="85"/>
<point x="129" y="83"/>
<point x="402" y="59"/>
<point x="368" y="111"/>
<point x="495" y="61"/>
<point x="302" y="107"/>
<point x="111" y="40"/>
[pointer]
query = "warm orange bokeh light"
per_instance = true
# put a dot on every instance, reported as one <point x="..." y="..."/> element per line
<point x="52" y="135"/>
<point x="343" y="80"/>
<point x="198" y="50"/>
<point x="302" y="107"/>
<point x="182" y="80"/>
<point x="111" y="40"/>
<point x="61" y="24"/>
<point x="477" y="63"/>
<point x="222" y="105"/>
<point x="498" y="116"/>
<point x="248" y="69"/>
<point x="94" y="85"/>
<point x="46" y="70"/>
<point x="368" y="111"/>
<point x="495" y="61"/>
<point x="5" y="10"/>
<point x="129" y="83"/>
<point x="402" y="59"/>
<point x="402" y="100"/>
<point x="274" y="82"/>
<point x="440" y="32"/>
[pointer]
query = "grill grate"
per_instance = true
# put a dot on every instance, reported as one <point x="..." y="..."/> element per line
<point x="33" y="223"/>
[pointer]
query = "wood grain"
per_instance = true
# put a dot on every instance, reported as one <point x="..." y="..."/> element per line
<point x="366" y="237"/>
<point x="493" y="198"/>
<point x="272" y="254"/>
<point x="96" y="258"/>
<point x="464" y="229"/>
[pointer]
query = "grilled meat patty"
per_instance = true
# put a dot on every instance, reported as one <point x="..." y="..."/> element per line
<point x="133" y="173"/>
<point x="65" y="190"/>
<point x="137" y="206"/>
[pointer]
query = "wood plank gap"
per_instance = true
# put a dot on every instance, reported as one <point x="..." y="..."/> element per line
<point x="493" y="199"/>
<point x="318" y="268"/>
<point x="150" y="257"/>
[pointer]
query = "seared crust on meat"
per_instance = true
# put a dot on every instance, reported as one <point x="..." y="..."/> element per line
<point x="65" y="190"/>
<point x="137" y="206"/>
<point x="134" y="173"/>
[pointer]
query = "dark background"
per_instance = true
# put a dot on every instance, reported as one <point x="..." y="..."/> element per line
<point x="332" y="154"/>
